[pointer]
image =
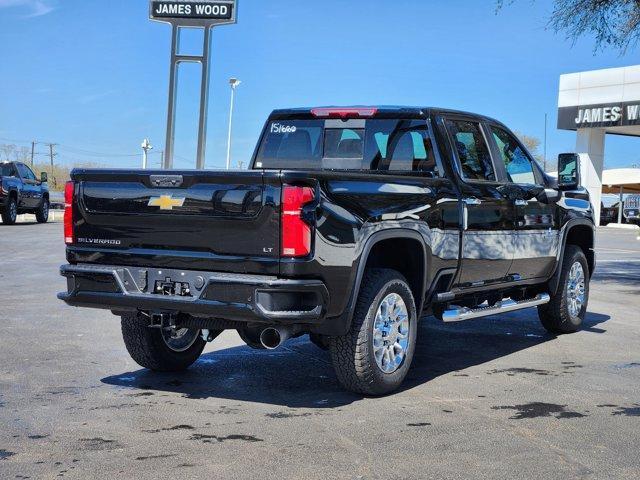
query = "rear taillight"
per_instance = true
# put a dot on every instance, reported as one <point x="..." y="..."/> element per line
<point x="296" y="233"/>
<point x="69" y="194"/>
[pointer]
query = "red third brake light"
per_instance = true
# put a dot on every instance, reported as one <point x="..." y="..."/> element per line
<point x="69" y="194"/>
<point x="358" y="112"/>
<point x="296" y="233"/>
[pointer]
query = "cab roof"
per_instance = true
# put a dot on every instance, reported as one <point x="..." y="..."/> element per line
<point x="382" y="111"/>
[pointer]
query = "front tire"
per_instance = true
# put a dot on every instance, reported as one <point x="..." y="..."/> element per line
<point x="568" y="307"/>
<point x="157" y="349"/>
<point x="373" y="358"/>
<point x="42" y="213"/>
<point x="10" y="214"/>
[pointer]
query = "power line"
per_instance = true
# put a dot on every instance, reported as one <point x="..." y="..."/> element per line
<point x="99" y="154"/>
<point x="76" y="150"/>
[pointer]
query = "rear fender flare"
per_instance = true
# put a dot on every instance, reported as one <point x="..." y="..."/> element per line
<point x="364" y="257"/>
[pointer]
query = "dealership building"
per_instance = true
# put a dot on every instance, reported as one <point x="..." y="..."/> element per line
<point x="594" y="104"/>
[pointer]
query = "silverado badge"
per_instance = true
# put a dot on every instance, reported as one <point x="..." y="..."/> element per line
<point x="166" y="202"/>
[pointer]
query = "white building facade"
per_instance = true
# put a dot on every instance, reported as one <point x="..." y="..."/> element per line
<point x="594" y="104"/>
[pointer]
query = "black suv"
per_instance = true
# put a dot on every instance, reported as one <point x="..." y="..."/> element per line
<point x="352" y="224"/>
<point x="22" y="192"/>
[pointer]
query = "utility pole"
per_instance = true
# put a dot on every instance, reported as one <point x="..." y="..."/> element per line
<point x="51" y="155"/>
<point x="33" y="148"/>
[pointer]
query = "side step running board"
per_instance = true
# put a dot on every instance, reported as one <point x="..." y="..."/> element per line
<point x="460" y="314"/>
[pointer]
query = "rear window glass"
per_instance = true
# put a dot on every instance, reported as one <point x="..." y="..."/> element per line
<point x="391" y="145"/>
<point x="6" y="170"/>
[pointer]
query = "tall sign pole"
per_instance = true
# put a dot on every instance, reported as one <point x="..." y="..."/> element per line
<point x="204" y="14"/>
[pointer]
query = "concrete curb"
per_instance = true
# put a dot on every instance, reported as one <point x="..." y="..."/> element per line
<point x="54" y="216"/>
<point x="624" y="226"/>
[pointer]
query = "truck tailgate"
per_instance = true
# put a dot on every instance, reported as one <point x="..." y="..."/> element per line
<point x="217" y="221"/>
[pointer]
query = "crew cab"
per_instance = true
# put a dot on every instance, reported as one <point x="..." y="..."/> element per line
<point x="21" y="192"/>
<point x="350" y="226"/>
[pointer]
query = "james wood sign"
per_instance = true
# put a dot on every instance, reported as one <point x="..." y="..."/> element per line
<point x="603" y="115"/>
<point x="194" y="13"/>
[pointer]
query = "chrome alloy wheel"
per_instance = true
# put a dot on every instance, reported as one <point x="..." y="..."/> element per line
<point x="179" y="339"/>
<point x="576" y="289"/>
<point x="391" y="333"/>
<point x="45" y="209"/>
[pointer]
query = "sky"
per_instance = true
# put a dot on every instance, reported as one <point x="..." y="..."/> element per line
<point x="92" y="76"/>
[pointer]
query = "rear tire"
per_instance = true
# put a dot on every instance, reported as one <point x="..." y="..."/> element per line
<point x="357" y="359"/>
<point x="42" y="213"/>
<point x="320" y="341"/>
<point x="568" y="307"/>
<point x="10" y="213"/>
<point x="151" y="349"/>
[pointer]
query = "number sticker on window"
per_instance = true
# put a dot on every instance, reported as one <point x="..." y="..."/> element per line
<point x="279" y="128"/>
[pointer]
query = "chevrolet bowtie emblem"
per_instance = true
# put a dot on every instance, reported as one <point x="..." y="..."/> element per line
<point x="166" y="202"/>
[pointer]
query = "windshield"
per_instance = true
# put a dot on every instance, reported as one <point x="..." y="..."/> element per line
<point x="393" y="145"/>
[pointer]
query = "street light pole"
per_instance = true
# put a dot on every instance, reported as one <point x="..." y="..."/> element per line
<point x="234" y="82"/>
<point x="544" y="155"/>
<point x="146" y="146"/>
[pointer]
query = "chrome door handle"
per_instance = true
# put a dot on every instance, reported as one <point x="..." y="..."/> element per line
<point x="465" y="218"/>
<point x="521" y="203"/>
<point x="472" y="201"/>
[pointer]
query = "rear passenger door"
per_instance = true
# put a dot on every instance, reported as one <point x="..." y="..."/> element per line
<point x="537" y="225"/>
<point x="487" y="211"/>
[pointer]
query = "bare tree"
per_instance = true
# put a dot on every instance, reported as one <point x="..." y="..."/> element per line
<point x="532" y="143"/>
<point x="613" y="23"/>
<point x="22" y="154"/>
<point x="7" y="152"/>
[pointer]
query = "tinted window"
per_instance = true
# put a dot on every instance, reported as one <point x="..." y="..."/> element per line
<point x="516" y="161"/>
<point x="291" y="144"/>
<point x="388" y="145"/>
<point x="472" y="150"/>
<point x="25" y="172"/>
<point x="344" y="143"/>
<point x="7" y="170"/>
<point x="399" y="145"/>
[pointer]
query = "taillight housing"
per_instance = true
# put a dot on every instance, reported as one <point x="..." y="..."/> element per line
<point x="344" y="113"/>
<point x="69" y="196"/>
<point x="296" y="232"/>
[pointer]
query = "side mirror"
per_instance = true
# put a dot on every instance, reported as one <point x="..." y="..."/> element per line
<point x="44" y="177"/>
<point x="568" y="171"/>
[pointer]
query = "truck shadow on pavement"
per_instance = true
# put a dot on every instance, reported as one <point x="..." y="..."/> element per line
<point x="300" y="375"/>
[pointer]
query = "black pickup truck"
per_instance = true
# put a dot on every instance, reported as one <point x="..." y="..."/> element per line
<point x="21" y="192"/>
<point x="351" y="225"/>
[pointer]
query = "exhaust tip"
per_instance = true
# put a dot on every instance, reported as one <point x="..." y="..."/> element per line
<point x="270" y="338"/>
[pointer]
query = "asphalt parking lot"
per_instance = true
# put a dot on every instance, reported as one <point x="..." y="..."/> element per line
<point x="490" y="398"/>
